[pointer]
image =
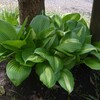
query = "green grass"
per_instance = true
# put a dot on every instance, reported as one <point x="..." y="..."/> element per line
<point x="10" y="16"/>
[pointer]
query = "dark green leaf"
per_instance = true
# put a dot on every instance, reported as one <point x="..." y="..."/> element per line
<point x="69" y="62"/>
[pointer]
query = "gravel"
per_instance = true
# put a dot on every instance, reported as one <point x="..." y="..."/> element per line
<point x="57" y="6"/>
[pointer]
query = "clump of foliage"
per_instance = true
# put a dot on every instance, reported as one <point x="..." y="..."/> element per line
<point x="10" y="16"/>
<point x="53" y="45"/>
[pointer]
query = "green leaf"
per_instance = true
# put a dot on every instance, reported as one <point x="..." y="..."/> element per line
<point x="7" y="31"/>
<point x="69" y="45"/>
<point x="13" y="44"/>
<point x="26" y="53"/>
<point x="81" y="31"/>
<point x="96" y="54"/>
<point x="87" y="48"/>
<point x="57" y="21"/>
<point x="2" y="49"/>
<point x="30" y="36"/>
<point x="69" y="62"/>
<point x="71" y="24"/>
<point x="35" y="58"/>
<point x="47" y="33"/>
<point x="93" y="63"/>
<point x="74" y="16"/>
<point x="88" y="39"/>
<point x="56" y="64"/>
<point x="66" y="80"/>
<point x="43" y="53"/>
<point x="46" y="74"/>
<point x="40" y="23"/>
<point x="69" y="35"/>
<point x="84" y="22"/>
<point x="97" y="45"/>
<point x="20" y="33"/>
<point x="20" y="60"/>
<point x="51" y="42"/>
<point x="16" y="72"/>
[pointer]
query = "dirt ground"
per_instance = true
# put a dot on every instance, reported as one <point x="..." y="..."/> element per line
<point x="57" y="6"/>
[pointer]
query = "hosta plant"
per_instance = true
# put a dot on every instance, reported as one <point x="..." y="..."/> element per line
<point x="53" y="45"/>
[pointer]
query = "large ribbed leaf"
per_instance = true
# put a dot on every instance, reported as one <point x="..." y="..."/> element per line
<point x="46" y="74"/>
<point x="16" y="72"/>
<point x="93" y="63"/>
<point x="74" y="16"/>
<point x="40" y="23"/>
<point x="7" y="31"/>
<point x="66" y="80"/>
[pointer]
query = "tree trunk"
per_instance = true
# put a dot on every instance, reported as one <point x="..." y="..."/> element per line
<point x="95" y="21"/>
<point x="30" y="8"/>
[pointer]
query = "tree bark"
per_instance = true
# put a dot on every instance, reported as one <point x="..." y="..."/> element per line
<point x="30" y="8"/>
<point x="95" y="21"/>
